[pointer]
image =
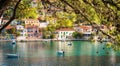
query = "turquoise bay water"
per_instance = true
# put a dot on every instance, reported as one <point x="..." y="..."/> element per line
<point x="80" y="53"/>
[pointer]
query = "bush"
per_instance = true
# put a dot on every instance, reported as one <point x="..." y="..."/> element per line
<point x="77" y="34"/>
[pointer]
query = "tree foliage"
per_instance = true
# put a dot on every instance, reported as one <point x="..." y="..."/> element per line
<point x="77" y="34"/>
<point x="97" y="12"/>
<point x="26" y="10"/>
<point x="16" y="9"/>
<point x="65" y="19"/>
<point x="6" y="6"/>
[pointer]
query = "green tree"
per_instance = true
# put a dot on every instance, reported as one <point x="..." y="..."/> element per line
<point x="19" y="9"/>
<point x="52" y="36"/>
<point x="99" y="12"/>
<point x="5" y="6"/>
<point x="48" y="32"/>
<point x="77" y="34"/>
<point x="11" y="31"/>
<point x="25" y="10"/>
<point x="65" y="19"/>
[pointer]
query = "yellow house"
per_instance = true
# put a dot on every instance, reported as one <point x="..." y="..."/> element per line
<point x="31" y="22"/>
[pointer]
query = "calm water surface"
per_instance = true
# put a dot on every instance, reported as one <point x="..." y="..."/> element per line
<point x="80" y="53"/>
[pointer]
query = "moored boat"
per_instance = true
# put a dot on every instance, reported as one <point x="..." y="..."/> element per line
<point x="13" y="42"/>
<point x="12" y="55"/>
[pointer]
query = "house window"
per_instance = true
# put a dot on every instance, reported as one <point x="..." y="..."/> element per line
<point x="29" y="30"/>
<point x="69" y="33"/>
<point x="66" y="32"/>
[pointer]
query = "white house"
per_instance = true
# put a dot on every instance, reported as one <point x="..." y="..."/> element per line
<point x="86" y="30"/>
<point x="64" y="33"/>
<point x="22" y="32"/>
<point x="43" y="25"/>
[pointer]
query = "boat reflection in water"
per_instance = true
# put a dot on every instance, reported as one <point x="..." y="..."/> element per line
<point x="14" y="53"/>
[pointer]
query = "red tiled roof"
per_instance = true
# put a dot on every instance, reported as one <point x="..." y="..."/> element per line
<point x="9" y="27"/>
<point x="86" y="27"/>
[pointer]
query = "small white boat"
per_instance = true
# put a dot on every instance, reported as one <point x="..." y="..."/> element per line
<point x="70" y="43"/>
<point x="61" y="52"/>
<point x="13" y="42"/>
<point x="12" y="55"/>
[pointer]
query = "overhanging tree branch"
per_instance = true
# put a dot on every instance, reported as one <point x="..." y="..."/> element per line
<point x="111" y="2"/>
<point x="78" y="11"/>
<point x="12" y="18"/>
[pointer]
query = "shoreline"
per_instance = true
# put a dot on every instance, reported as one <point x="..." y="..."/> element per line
<point x="33" y="40"/>
<point x="48" y="40"/>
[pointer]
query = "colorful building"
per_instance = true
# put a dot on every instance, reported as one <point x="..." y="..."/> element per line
<point x="32" y="31"/>
<point x="86" y="30"/>
<point x="64" y="33"/>
<point x="43" y="24"/>
<point x="31" y="22"/>
<point x="22" y="31"/>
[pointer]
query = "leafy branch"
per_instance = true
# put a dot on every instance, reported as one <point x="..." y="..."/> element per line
<point x="12" y="17"/>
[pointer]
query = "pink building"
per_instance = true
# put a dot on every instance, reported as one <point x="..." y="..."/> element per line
<point x="32" y="31"/>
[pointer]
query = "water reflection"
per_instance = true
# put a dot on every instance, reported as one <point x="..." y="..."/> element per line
<point x="80" y="53"/>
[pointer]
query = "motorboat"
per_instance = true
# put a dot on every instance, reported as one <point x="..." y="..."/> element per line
<point x="13" y="42"/>
<point x="12" y="55"/>
<point x="70" y="43"/>
<point x="60" y="52"/>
